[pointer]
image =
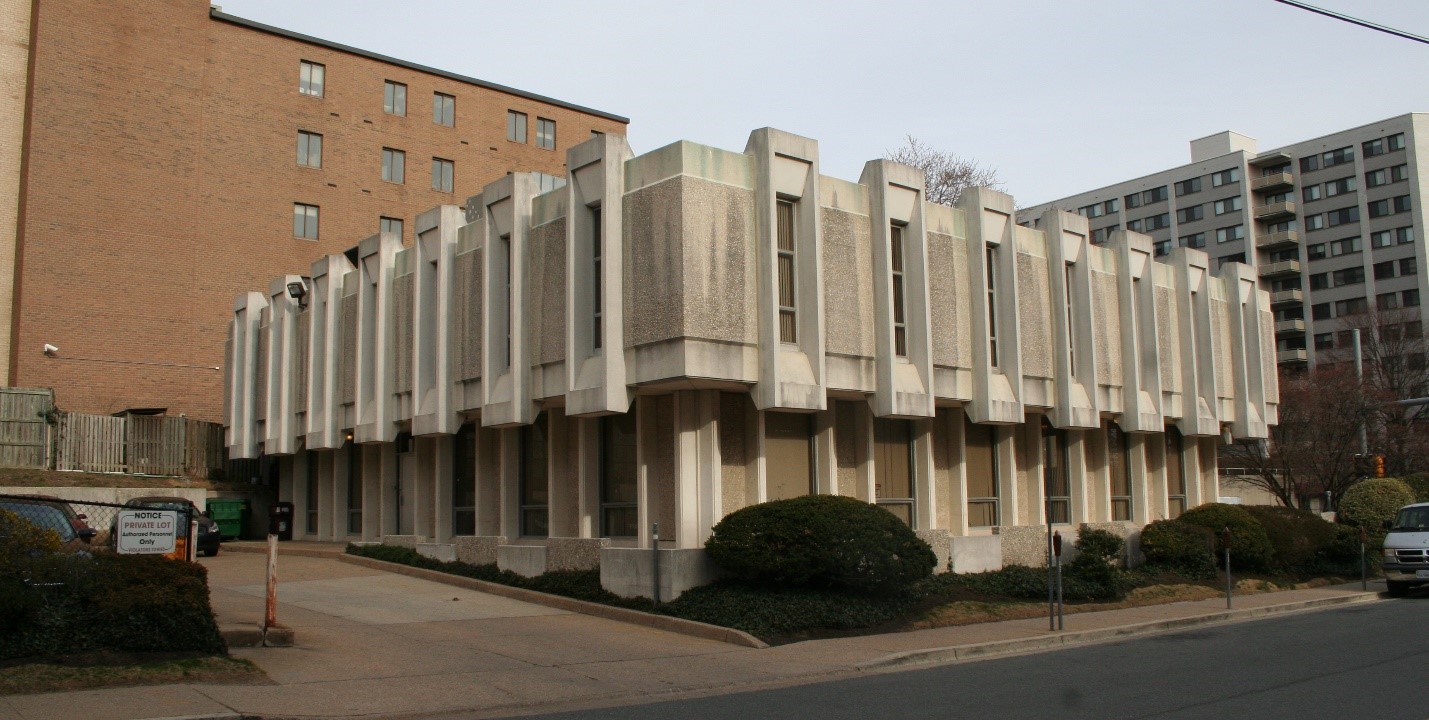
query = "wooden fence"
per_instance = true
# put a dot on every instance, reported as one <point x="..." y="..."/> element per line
<point x="139" y="444"/>
<point x="25" y="427"/>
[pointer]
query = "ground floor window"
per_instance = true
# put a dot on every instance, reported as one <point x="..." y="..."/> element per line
<point x="1175" y="473"/>
<point x="464" y="481"/>
<point x="1054" y="470"/>
<point x="354" y="488"/>
<point x="311" y="491"/>
<point x="980" y="465"/>
<point x="619" y="511"/>
<point x="1118" y="463"/>
<point x="893" y="466"/>
<point x="788" y="449"/>
<point x="535" y="488"/>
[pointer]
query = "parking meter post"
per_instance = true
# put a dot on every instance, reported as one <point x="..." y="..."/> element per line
<point x="193" y="538"/>
<point x="1364" y="569"/>
<point x="1226" y="543"/>
<point x="655" y="559"/>
<point x="270" y="612"/>
<point x="1051" y="562"/>
<point x="1057" y="551"/>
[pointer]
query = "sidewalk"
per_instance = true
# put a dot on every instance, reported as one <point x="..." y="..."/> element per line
<point x="376" y="644"/>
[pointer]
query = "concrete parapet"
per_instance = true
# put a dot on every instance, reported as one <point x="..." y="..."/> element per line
<point x="480" y="550"/>
<point x="941" y="542"/>
<point x="975" y="553"/>
<point x="524" y="560"/>
<point x="445" y="552"/>
<point x="1024" y="545"/>
<point x="574" y="553"/>
<point x="630" y="572"/>
<point x="402" y="541"/>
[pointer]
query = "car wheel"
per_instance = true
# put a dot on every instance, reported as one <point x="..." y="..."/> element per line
<point x="1397" y="589"/>
<point x="210" y="553"/>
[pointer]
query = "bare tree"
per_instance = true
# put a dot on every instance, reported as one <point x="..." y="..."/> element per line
<point x="945" y="175"/>
<point x="1393" y="349"/>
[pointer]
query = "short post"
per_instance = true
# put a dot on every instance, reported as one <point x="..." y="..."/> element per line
<point x="1051" y="562"/>
<point x="193" y="538"/>
<point x="1057" y="551"/>
<point x="1364" y="569"/>
<point x="1226" y="544"/>
<point x="270" y="613"/>
<point x="655" y="548"/>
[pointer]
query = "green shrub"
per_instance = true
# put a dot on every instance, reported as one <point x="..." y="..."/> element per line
<point x="1096" y="573"/>
<point x="785" y="613"/>
<point x="1341" y="554"/>
<point x="820" y="541"/>
<point x="1296" y="535"/>
<point x="1179" y="547"/>
<point x="1368" y="503"/>
<point x="1250" y="547"/>
<point x="1419" y="483"/>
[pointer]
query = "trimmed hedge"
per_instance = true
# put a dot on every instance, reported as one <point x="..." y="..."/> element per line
<point x="820" y="541"/>
<point x="1296" y="535"/>
<point x="1368" y="503"/>
<point x="1419" y="483"/>
<point x="1179" y="547"/>
<point x="1250" y="546"/>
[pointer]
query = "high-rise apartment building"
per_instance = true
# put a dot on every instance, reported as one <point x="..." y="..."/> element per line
<point x="1334" y="225"/>
<point x="160" y="157"/>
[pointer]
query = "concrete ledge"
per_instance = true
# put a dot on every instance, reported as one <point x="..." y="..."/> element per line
<point x="283" y="549"/>
<point x="1052" y="641"/>
<point x="278" y="636"/>
<point x="242" y="636"/>
<point x="634" y="617"/>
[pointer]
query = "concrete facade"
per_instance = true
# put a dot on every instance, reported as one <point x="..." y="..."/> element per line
<point x="132" y="121"/>
<point x="1334" y="226"/>
<point x="549" y="379"/>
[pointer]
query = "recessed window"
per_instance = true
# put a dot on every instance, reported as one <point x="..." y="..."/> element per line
<point x="788" y="455"/>
<point x="444" y="109"/>
<point x="619" y="491"/>
<point x="1227" y="260"/>
<point x="534" y="490"/>
<point x="1111" y="205"/>
<point x="1345" y="247"/>
<point x="1118" y="464"/>
<point x="310" y="149"/>
<point x="893" y="467"/>
<point x="900" y="318"/>
<point x="1337" y="157"/>
<point x="992" y="305"/>
<point x="394" y="98"/>
<point x="1410" y="298"/>
<point x="1320" y="311"/>
<point x="1134" y="225"/>
<point x="1384" y="270"/>
<point x="1190" y="214"/>
<point x="305" y="221"/>
<point x="784" y="237"/>
<point x="1230" y="204"/>
<point x="1409" y="266"/>
<point x="1227" y="234"/>
<point x="1312" y="192"/>
<point x="1357" y="306"/>
<point x="1315" y="252"/>
<point x="1315" y="222"/>
<point x="1386" y="301"/>
<point x="390" y="225"/>
<point x="1324" y="341"/>
<point x="1133" y="200"/>
<point x="980" y="458"/>
<point x="1374" y="147"/>
<point x="1156" y="222"/>
<point x="394" y="166"/>
<point x="310" y="78"/>
<point x="545" y="134"/>
<point x="1319" y="281"/>
<point x="442" y="174"/>
<point x="1162" y="247"/>
<point x="1340" y="187"/>
<point x="1225" y="177"/>
<point x="515" y="126"/>
<point x="1310" y="163"/>
<point x="1186" y="187"/>
<point x="1175" y="474"/>
<point x="1395" y="142"/>
<point x="1348" y="276"/>
<point x="1194" y="240"/>
<point x="597" y="250"/>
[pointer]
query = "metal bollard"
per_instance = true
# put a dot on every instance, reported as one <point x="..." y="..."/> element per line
<point x="655" y="548"/>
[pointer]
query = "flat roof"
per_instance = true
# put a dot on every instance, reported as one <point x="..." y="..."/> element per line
<point x="260" y="27"/>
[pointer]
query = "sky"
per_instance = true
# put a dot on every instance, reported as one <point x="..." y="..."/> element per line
<point x="1058" y="96"/>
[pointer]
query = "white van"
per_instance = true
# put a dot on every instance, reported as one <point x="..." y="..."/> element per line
<point x="1406" y="549"/>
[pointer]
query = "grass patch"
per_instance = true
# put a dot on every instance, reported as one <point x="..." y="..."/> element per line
<point x="114" y="670"/>
<point x="30" y="477"/>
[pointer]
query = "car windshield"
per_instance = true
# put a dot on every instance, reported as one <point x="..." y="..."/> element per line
<point x="47" y="517"/>
<point x="162" y="504"/>
<point x="1412" y="519"/>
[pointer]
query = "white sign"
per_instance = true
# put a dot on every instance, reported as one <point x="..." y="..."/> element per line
<point x="147" y="532"/>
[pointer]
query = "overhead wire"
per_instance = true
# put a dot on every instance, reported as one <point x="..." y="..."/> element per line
<point x="1355" y="21"/>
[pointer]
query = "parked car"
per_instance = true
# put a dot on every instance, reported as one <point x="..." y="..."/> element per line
<point x="209" y="537"/>
<point x="1406" y="549"/>
<point x="78" y="520"/>
<point x="51" y="515"/>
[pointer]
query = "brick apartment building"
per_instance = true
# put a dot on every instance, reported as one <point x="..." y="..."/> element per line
<point x="163" y="157"/>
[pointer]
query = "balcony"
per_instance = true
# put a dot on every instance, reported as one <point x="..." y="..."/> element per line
<point x="1290" y="327"/>
<point x="1284" y="267"/>
<point x="1299" y="356"/>
<point x="1287" y="297"/>
<point x="1275" y="211"/>
<point x="1272" y="241"/>
<point x="1272" y="183"/>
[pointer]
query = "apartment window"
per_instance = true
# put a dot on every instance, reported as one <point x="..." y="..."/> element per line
<point x="310" y="78"/>
<point x="1175" y="474"/>
<point x="310" y="149"/>
<point x="1408" y="266"/>
<point x="535" y="488"/>
<point x="1091" y="211"/>
<point x="1340" y="187"/>
<point x="1386" y="301"/>
<point x="1156" y="194"/>
<point x="1404" y="235"/>
<point x="1389" y="206"/>
<point x="1224" y="261"/>
<point x="545" y="133"/>
<point x="442" y="174"/>
<point x="305" y="221"/>
<point x="1319" y="281"/>
<point x="1227" y="234"/>
<point x="1337" y="157"/>
<point x="1057" y="487"/>
<point x="1401" y="204"/>
<point x="1112" y="205"/>
<point x="1385" y="176"/>
<point x="1346" y="246"/>
<point x="1190" y="214"/>
<point x="1320" y="311"/>
<point x="1072" y="335"/>
<point x="1194" y="240"/>
<point x="597" y="250"/>
<point x="1315" y="222"/>
<point x="1283" y="255"/>
<point x="1225" y="177"/>
<point x="1395" y="142"/>
<point x="1308" y="164"/>
<point x="1348" y="276"/>
<point x="1133" y="200"/>
<point x="515" y="126"/>
<point x="992" y="305"/>
<point x="980" y="459"/>
<point x="1187" y="187"/>
<point x="1118" y="464"/>
<point x="1162" y="247"/>
<point x="1101" y="235"/>
<point x="900" y="319"/>
<point x="788" y="317"/>
<point x="1282" y="226"/>
<point x="1157" y="222"/>
<point x="1345" y="308"/>
<point x="394" y="166"/>
<point x="1134" y="225"/>
<point x="1324" y="341"/>
<point x="1230" y="204"/>
<point x="464" y="481"/>
<point x="1410" y="298"/>
<point x="788" y="454"/>
<point x="444" y="109"/>
<point x="390" y="225"/>
<point x="1384" y="270"/>
<point x="1381" y="239"/>
<point x="394" y="98"/>
<point x="893" y="467"/>
<point x="1315" y="252"/>
<point x="1312" y="193"/>
<point x="1373" y="148"/>
<point x="619" y="514"/>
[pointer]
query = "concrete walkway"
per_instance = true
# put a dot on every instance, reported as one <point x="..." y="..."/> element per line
<point x="371" y="643"/>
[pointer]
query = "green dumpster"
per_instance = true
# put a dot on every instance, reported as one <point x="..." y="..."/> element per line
<point x="230" y="515"/>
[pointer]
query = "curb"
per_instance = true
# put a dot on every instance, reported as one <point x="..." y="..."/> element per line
<point x="282" y="550"/>
<point x="933" y="656"/>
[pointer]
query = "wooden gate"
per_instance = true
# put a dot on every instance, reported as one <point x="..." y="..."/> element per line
<point x="91" y="443"/>
<point x="24" y="427"/>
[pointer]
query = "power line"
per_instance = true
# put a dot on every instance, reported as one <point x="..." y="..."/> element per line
<point x="1355" y="21"/>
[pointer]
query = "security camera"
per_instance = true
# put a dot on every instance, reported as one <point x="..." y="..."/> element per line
<point x="51" y="350"/>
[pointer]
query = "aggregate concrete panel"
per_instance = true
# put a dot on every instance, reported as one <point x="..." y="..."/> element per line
<point x="732" y="452"/>
<point x="1034" y="298"/>
<point x="1107" y="328"/>
<point x="941" y="542"/>
<point x="942" y="299"/>
<point x="401" y="541"/>
<point x="1225" y="363"/>
<point x="1168" y="339"/>
<point x="574" y="553"/>
<point x="1024" y="545"/>
<point x="548" y="291"/>
<point x="720" y="280"/>
<point x="480" y="550"/>
<point x="654" y="306"/>
<point x="848" y="284"/>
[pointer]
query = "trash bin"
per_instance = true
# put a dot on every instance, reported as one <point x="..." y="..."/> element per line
<point x="231" y="516"/>
<point x="280" y="520"/>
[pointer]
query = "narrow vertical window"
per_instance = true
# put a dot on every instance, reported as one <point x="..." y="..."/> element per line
<point x="464" y="481"/>
<point x="310" y="149"/>
<point x="354" y="488"/>
<point x="394" y="98"/>
<point x="1118" y="462"/>
<point x="784" y="235"/>
<point x="515" y="126"/>
<point x="390" y="225"/>
<point x="1175" y="474"/>
<point x="1071" y="321"/>
<point x="992" y="305"/>
<point x="980" y="468"/>
<point x="535" y="489"/>
<point x="444" y="109"/>
<point x="900" y="314"/>
<point x="311" y="493"/>
<point x="506" y="297"/>
<point x="619" y="507"/>
<point x="788" y="454"/>
<point x="305" y="221"/>
<point x="394" y="166"/>
<point x="596" y="250"/>
<point x="545" y="134"/>
<point x="1054" y="469"/>
<point x="443" y="174"/>
<point x="893" y="467"/>
<point x="310" y="78"/>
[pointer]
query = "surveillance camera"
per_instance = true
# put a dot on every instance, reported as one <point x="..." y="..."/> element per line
<point x="51" y="350"/>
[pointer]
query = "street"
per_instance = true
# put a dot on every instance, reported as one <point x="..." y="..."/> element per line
<point x="1360" y="661"/>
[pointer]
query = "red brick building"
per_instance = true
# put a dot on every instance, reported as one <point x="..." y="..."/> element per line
<point x="165" y="157"/>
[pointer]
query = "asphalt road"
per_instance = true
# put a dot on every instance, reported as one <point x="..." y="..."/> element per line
<point x="1362" y="661"/>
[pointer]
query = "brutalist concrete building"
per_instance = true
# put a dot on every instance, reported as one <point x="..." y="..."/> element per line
<point x="546" y="377"/>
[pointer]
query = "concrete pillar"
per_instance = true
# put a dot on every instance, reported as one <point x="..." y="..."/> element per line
<point x="588" y="498"/>
<point x="443" y="476"/>
<point x="698" y="494"/>
<point x="327" y="472"/>
<point x="1079" y="476"/>
<point x="925" y="493"/>
<point x="1141" y="476"/>
<point x="424" y="488"/>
